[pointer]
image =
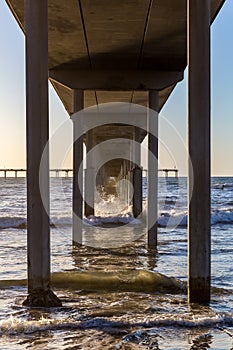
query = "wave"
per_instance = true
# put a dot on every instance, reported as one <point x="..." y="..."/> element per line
<point x="222" y="186"/>
<point x="222" y="216"/>
<point x="113" y="281"/>
<point x="129" y="280"/>
<point x="64" y="221"/>
<point x="12" y="222"/>
<point x="113" y="219"/>
<point x="167" y="219"/>
<point x="218" y="216"/>
<point x="173" y="311"/>
<point x="17" y="222"/>
<point x="143" y="326"/>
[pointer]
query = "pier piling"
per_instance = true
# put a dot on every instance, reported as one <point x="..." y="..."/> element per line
<point x="77" y="167"/>
<point x="152" y="176"/>
<point x="38" y="223"/>
<point x="199" y="150"/>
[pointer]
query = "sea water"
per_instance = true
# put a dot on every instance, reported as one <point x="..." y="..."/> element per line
<point x="116" y="293"/>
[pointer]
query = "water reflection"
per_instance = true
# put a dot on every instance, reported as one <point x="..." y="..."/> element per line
<point x="133" y="255"/>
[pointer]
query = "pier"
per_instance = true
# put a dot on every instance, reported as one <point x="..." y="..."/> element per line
<point x="15" y="171"/>
<point x="133" y="52"/>
<point x="167" y="171"/>
<point x="67" y="172"/>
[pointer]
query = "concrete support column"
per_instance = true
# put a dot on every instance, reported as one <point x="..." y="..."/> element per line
<point x="103" y="177"/>
<point x="125" y="187"/>
<point x="199" y="149"/>
<point x="137" y="174"/>
<point x="130" y="189"/>
<point x="137" y="195"/>
<point x="130" y="172"/>
<point x="89" y="176"/>
<point x="99" y="179"/>
<point x="89" y="192"/>
<point x="77" y="169"/>
<point x="38" y="223"/>
<point x="121" y="178"/>
<point x="128" y="178"/>
<point x="152" y="177"/>
<point x="137" y="147"/>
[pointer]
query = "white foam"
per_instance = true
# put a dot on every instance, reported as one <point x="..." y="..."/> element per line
<point x="61" y="221"/>
<point x="119" y="219"/>
<point x="222" y="216"/>
<point x="166" y="219"/>
<point x="15" y="326"/>
<point x="221" y="186"/>
<point x="173" y="219"/>
<point x="176" y="219"/>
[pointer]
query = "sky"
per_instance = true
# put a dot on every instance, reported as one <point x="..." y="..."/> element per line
<point x="173" y="117"/>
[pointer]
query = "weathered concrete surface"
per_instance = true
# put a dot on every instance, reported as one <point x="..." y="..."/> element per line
<point x="41" y="298"/>
<point x="77" y="168"/>
<point x="137" y="194"/>
<point x="117" y="35"/>
<point x="116" y="80"/>
<point x="199" y="150"/>
<point x="90" y="175"/>
<point x="37" y="116"/>
<point x="152" y="175"/>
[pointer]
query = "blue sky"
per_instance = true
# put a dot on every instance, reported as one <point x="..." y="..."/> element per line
<point x="12" y="95"/>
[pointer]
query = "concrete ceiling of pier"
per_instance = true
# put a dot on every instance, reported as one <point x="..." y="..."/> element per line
<point x="116" y="35"/>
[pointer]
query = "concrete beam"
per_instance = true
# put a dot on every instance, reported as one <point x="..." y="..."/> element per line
<point x="77" y="169"/>
<point x="199" y="149"/>
<point x="37" y="119"/>
<point x="116" y="80"/>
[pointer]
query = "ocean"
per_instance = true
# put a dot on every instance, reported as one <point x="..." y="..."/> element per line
<point x="116" y="293"/>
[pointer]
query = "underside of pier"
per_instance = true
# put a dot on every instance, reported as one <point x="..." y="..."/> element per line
<point x="129" y="51"/>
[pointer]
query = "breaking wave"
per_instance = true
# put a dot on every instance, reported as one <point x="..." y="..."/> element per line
<point x="128" y="280"/>
<point x="15" y="326"/>
<point x="166" y="219"/>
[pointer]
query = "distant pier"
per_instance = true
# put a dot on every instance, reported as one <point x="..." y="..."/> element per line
<point x="57" y="172"/>
<point x="167" y="171"/>
<point x="16" y="171"/>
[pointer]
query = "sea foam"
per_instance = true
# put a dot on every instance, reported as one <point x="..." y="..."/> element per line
<point x="167" y="219"/>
